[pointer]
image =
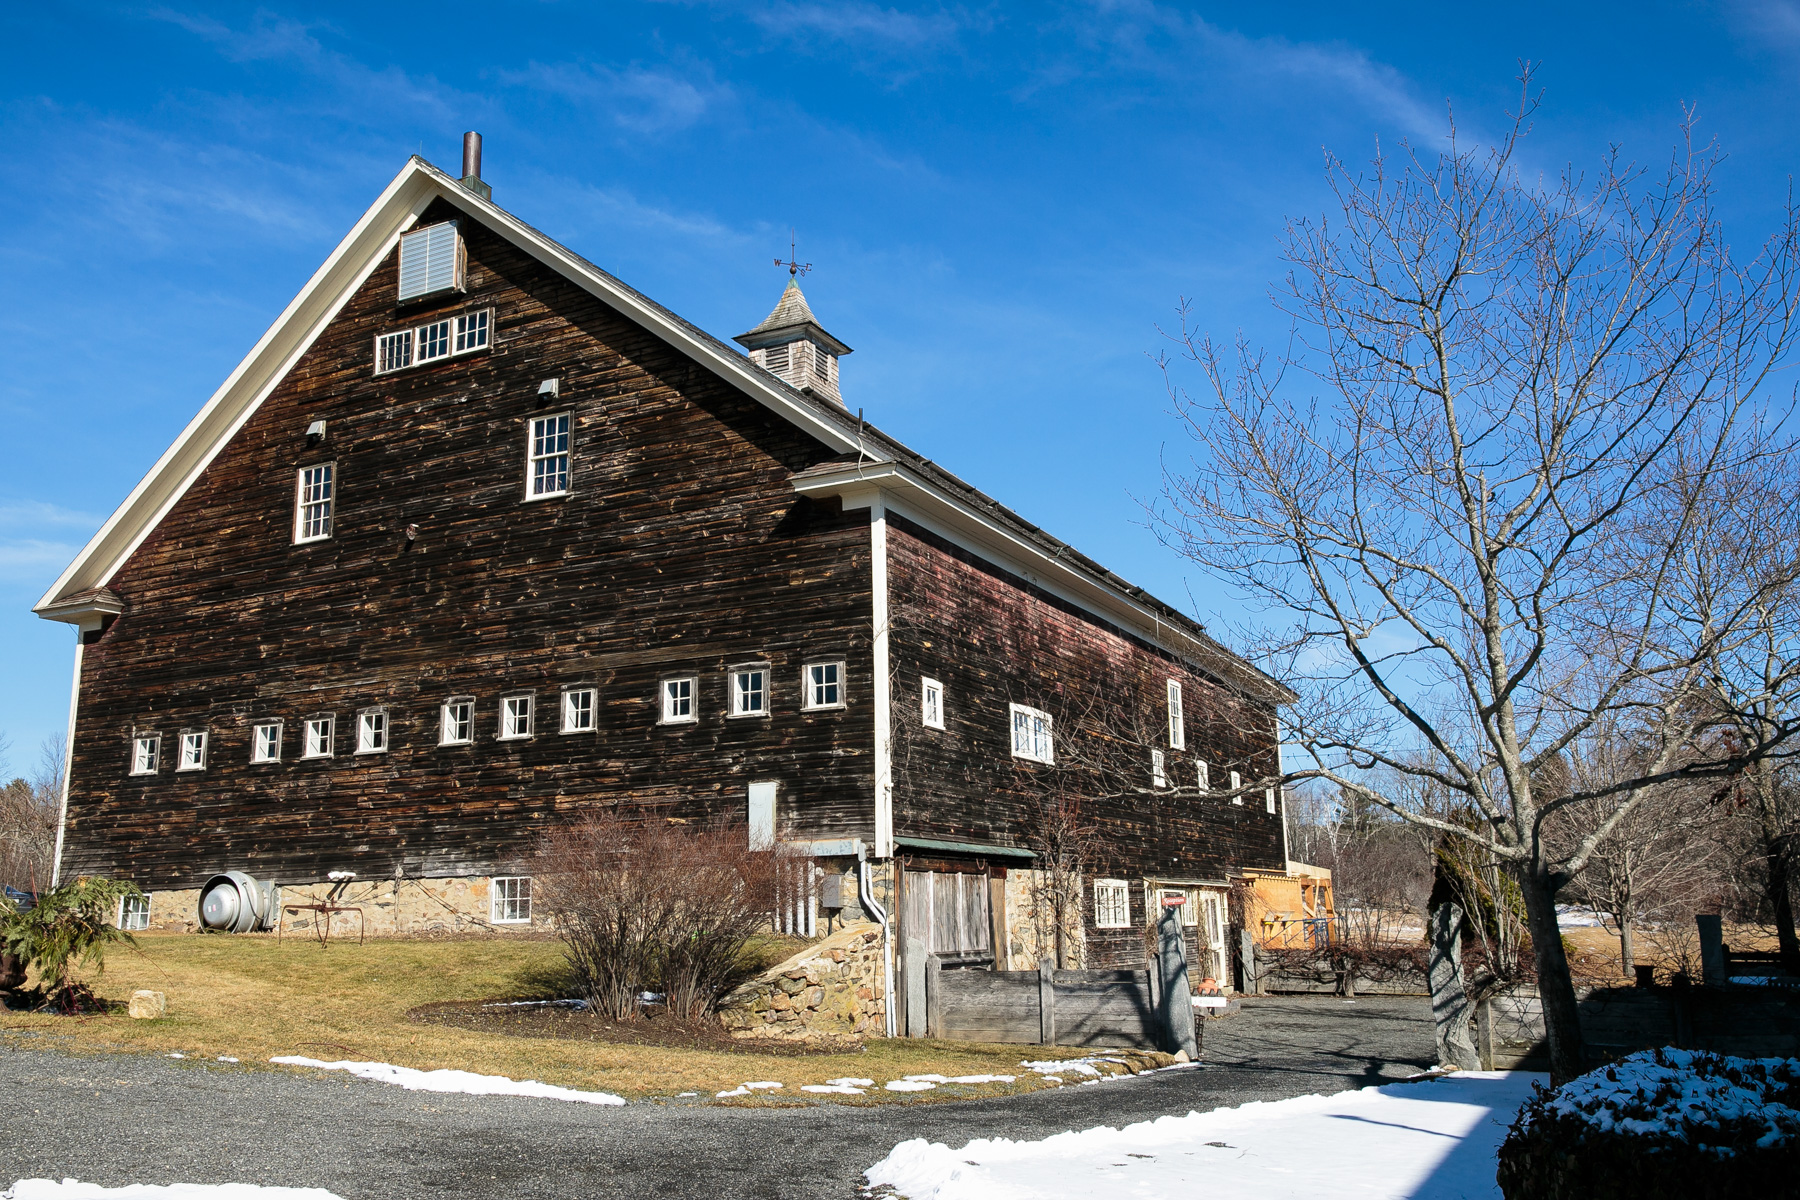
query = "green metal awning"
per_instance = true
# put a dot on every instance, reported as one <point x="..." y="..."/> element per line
<point x="964" y="848"/>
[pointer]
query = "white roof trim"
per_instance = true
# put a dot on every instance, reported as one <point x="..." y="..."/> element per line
<point x="312" y="310"/>
<point x="859" y="485"/>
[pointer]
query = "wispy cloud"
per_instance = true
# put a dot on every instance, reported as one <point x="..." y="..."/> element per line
<point x="27" y="556"/>
<point x="39" y="515"/>
<point x="859" y="23"/>
<point x="635" y="99"/>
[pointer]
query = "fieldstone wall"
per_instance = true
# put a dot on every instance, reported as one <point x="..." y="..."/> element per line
<point x="1029" y="941"/>
<point x="390" y="907"/>
<point x="834" y="987"/>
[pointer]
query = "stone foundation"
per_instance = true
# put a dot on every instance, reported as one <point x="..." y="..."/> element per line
<point x="1029" y="940"/>
<point x="390" y="907"/>
<point x="834" y="988"/>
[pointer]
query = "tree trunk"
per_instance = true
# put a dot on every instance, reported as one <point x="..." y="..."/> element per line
<point x="1775" y="846"/>
<point x="1556" y="987"/>
<point x="1627" y="957"/>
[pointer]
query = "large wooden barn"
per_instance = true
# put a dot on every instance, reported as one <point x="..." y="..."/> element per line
<point x="477" y="536"/>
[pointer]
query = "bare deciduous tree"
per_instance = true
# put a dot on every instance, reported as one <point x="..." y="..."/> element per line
<point x="1530" y="390"/>
<point x="28" y="816"/>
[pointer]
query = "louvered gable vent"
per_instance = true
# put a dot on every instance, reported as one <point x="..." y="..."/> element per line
<point x="431" y="260"/>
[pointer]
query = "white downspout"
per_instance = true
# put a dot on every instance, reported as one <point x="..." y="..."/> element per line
<point x="62" y="808"/>
<point x="887" y="940"/>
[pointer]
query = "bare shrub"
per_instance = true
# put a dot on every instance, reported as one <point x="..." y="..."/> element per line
<point x="644" y="903"/>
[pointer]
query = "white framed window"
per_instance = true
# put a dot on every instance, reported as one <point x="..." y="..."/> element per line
<point x="578" y="710"/>
<point x="547" y="457"/>
<point x="1177" y="727"/>
<point x="750" y="690"/>
<point x="678" y="700"/>
<point x="134" y="913"/>
<point x="1159" y="775"/>
<point x="515" y="717"/>
<point x="191" y="752"/>
<point x="1112" y="904"/>
<point x="1190" y="911"/>
<point x="314" y="497"/>
<point x="431" y="260"/>
<point x="445" y="337"/>
<point x="510" y="900"/>
<point x="824" y="685"/>
<point x="317" y="737"/>
<point x="931" y="703"/>
<point x="762" y="797"/>
<point x="372" y="731"/>
<point x="1202" y="778"/>
<point x="146" y="750"/>
<point x="1031" y="736"/>
<point x="1236" y="783"/>
<point x="265" y="742"/>
<point x="1269" y="800"/>
<point x="456" y="721"/>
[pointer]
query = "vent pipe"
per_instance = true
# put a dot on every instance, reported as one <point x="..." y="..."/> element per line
<point x="471" y="176"/>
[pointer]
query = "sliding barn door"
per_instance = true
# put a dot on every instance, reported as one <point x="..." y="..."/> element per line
<point x="949" y="913"/>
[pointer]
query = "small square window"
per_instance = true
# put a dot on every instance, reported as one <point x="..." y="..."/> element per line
<point x="1203" y="778"/>
<point x="1112" y="904"/>
<point x="931" y="703"/>
<point x="547" y="457"/>
<point x="750" y="691"/>
<point x="1031" y="736"/>
<point x="511" y="898"/>
<point x="456" y="724"/>
<point x="192" y="755"/>
<point x="515" y="717"/>
<point x="678" y="700"/>
<point x="146" y="749"/>
<point x="316" y="741"/>
<point x="372" y="731"/>
<point x="265" y="742"/>
<point x="824" y="685"/>
<point x="393" y="351"/>
<point x="134" y="913"/>
<point x="472" y="331"/>
<point x="1159" y="776"/>
<point x="434" y="341"/>
<point x="1236" y="783"/>
<point x="313" y="502"/>
<point x="578" y="710"/>
<point x="1177" y="726"/>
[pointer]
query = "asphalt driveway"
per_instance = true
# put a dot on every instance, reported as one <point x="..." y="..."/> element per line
<point x="119" y="1119"/>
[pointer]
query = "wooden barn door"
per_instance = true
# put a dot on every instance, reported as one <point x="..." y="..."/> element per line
<point x="951" y="912"/>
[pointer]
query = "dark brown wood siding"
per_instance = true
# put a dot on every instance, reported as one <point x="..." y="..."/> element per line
<point x="681" y="547"/>
<point x="994" y="639"/>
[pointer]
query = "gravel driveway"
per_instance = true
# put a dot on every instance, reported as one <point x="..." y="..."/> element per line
<point x="118" y="1119"/>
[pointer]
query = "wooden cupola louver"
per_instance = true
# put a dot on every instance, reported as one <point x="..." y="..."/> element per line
<point x="791" y="343"/>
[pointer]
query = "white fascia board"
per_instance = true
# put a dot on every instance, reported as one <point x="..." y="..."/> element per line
<point x="244" y="390"/>
<point x="734" y="366"/>
<point x="859" y="485"/>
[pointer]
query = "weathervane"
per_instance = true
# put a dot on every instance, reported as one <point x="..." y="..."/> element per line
<point x="794" y="266"/>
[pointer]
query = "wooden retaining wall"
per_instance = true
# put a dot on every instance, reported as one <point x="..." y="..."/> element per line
<point x="1750" y="1023"/>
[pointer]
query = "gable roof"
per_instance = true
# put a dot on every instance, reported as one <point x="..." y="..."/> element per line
<point x="944" y="502"/>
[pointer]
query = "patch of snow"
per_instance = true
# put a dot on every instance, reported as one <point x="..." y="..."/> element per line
<point x="1384" y="1142"/>
<point x="910" y="1085"/>
<point x="733" y="1092"/>
<point x="759" y="1086"/>
<point x="226" y="1058"/>
<point x="928" y="1078"/>
<point x="466" y="1082"/>
<point x="537" y="1004"/>
<point x="679" y="1095"/>
<point x="1576" y="916"/>
<point x="1079" y="1066"/>
<point x="175" y="1054"/>
<point x="835" y="1089"/>
<point x="849" y="1082"/>
<point x="980" y="1079"/>
<point x="74" y="1189"/>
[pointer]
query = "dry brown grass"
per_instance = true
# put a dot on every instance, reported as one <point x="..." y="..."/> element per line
<point x="1595" y="957"/>
<point x="248" y="999"/>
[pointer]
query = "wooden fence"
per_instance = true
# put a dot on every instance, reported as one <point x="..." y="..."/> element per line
<point x="1048" y="1007"/>
<point x="1751" y="1023"/>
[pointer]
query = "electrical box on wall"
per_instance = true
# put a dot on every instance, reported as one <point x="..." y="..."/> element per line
<point x="837" y="891"/>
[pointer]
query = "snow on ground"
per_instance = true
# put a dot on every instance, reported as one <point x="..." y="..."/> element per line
<point x="1434" y="1138"/>
<point x="74" y="1189"/>
<point x="452" y="1081"/>
<point x="1575" y="916"/>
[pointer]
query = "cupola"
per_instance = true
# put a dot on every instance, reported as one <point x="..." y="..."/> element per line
<point x="791" y="343"/>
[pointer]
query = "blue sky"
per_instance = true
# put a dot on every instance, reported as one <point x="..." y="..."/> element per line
<point x="1002" y="203"/>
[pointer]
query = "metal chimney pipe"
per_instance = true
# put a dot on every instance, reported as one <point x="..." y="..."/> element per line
<point x="471" y="155"/>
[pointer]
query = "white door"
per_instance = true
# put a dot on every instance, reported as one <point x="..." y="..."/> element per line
<point x="762" y="814"/>
<point x="1211" y="913"/>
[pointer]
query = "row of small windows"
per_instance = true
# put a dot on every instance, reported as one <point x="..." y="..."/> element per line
<point x="509" y="903"/>
<point x="822" y="688"/>
<point x="446" y="337"/>
<point x="546" y="476"/>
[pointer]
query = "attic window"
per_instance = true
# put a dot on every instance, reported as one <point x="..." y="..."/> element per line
<point x="431" y="260"/>
<point x="444" y="338"/>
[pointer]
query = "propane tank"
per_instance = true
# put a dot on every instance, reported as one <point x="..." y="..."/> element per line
<point x="237" y="903"/>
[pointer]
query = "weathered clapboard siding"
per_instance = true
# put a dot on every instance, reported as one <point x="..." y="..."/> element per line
<point x="682" y="547"/>
<point x="994" y="639"/>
